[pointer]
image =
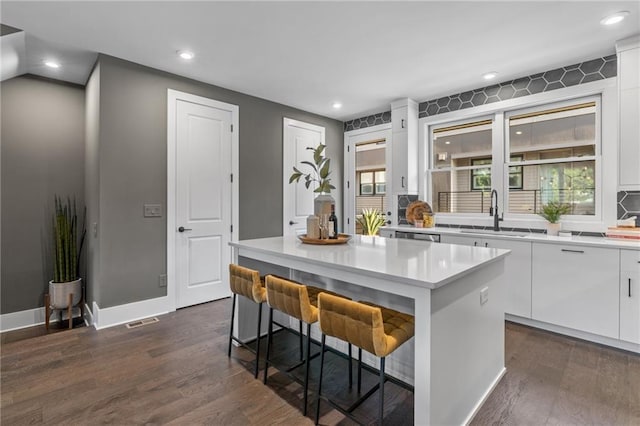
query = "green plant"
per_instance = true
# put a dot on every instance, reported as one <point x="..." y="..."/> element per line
<point x="320" y="171"/>
<point x="553" y="210"/>
<point x="67" y="246"/>
<point x="371" y="220"/>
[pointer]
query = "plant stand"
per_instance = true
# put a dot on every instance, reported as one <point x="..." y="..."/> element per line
<point x="69" y="308"/>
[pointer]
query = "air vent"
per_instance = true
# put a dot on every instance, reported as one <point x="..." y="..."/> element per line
<point x="140" y="323"/>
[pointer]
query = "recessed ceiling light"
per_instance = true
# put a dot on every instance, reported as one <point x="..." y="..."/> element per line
<point x="489" y="75"/>
<point x="447" y="142"/>
<point x="614" y="19"/>
<point x="337" y="105"/>
<point x="52" y="64"/>
<point x="519" y="132"/>
<point x="186" y="54"/>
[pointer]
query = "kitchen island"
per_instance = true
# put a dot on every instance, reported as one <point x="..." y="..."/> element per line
<point x="456" y="294"/>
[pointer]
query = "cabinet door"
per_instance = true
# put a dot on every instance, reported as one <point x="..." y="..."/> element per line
<point x="399" y="163"/>
<point x="387" y="233"/>
<point x="399" y="118"/>
<point x="517" y="272"/>
<point x="629" y="172"/>
<point x="630" y="295"/>
<point x="576" y="287"/>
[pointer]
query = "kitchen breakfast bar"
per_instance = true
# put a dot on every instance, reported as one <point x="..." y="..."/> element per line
<point x="456" y="293"/>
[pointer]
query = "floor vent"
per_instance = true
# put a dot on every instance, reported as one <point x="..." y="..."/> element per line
<point x="142" y="322"/>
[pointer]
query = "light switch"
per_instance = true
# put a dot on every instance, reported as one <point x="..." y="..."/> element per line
<point x="152" y="210"/>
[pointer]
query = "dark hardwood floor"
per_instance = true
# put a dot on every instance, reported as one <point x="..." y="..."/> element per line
<point x="176" y="371"/>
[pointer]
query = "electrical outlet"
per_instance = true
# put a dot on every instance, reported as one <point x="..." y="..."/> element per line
<point x="162" y="280"/>
<point x="152" y="210"/>
<point x="484" y="295"/>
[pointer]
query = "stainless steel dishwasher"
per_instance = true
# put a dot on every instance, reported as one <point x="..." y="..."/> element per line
<point x="422" y="236"/>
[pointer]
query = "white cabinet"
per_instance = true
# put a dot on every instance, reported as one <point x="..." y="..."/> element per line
<point x="629" y="110"/>
<point x="630" y="296"/>
<point x="402" y="152"/>
<point x="517" y="270"/>
<point x="387" y="233"/>
<point x="576" y="287"/>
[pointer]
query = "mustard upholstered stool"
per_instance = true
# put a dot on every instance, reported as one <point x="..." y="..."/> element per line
<point x="298" y="301"/>
<point x="247" y="282"/>
<point x="375" y="329"/>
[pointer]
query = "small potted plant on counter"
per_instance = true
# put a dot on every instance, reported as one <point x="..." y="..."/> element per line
<point x="552" y="211"/>
<point x="371" y="220"/>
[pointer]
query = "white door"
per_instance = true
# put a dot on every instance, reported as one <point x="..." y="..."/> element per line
<point x="203" y="202"/>
<point x="298" y="200"/>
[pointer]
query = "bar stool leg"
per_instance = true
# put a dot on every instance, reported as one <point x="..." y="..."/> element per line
<point x="269" y="333"/>
<point x="255" y="375"/>
<point x="381" y="403"/>
<point x="359" y="370"/>
<point x="320" y="379"/>
<point x="350" y="372"/>
<point x="233" y="314"/>
<point x="306" y="373"/>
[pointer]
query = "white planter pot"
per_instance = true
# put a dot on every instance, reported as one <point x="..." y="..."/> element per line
<point x="59" y="293"/>
<point x="553" y="228"/>
<point x="322" y="205"/>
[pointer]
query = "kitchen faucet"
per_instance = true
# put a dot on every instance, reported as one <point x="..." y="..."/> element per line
<point x="493" y="211"/>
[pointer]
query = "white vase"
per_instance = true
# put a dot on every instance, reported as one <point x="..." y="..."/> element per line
<point x="553" y="228"/>
<point x="59" y="293"/>
<point x="322" y="205"/>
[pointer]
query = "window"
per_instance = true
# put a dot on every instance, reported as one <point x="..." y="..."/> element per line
<point x="556" y="149"/>
<point x="461" y="167"/>
<point x="372" y="182"/>
<point x="550" y="153"/>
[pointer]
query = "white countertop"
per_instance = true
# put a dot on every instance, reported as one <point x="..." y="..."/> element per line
<point x="417" y="263"/>
<point x="535" y="237"/>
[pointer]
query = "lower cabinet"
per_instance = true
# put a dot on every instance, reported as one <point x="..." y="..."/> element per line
<point x="576" y="287"/>
<point x="630" y="296"/>
<point x="517" y="269"/>
<point x="387" y="233"/>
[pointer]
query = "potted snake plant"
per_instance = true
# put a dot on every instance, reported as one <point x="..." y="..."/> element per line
<point x="371" y="220"/>
<point x="67" y="248"/>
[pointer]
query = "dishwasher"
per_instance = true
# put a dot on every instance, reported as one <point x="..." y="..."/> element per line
<point x="422" y="236"/>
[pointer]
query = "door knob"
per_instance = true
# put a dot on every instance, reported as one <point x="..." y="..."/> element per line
<point x="291" y="222"/>
<point x="182" y="229"/>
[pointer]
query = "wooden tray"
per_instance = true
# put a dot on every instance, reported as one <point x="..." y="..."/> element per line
<point x="342" y="239"/>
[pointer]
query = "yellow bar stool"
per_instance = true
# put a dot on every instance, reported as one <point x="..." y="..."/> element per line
<point x="300" y="302"/>
<point x="247" y="282"/>
<point x="376" y="329"/>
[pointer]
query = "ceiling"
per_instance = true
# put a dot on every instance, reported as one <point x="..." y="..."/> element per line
<point x="311" y="54"/>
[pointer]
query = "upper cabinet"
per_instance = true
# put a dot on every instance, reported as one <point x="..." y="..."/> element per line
<point x="402" y="153"/>
<point x="629" y="110"/>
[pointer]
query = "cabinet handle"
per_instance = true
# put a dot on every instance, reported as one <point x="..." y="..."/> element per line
<point x="572" y="251"/>
<point x="402" y="123"/>
<point x="629" y="287"/>
<point x="486" y="244"/>
<point x="475" y="243"/>
<point x="402" y="181"/>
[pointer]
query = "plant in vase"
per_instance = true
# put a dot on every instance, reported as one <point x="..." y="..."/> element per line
<point x="65" y="289"/>
<point x="552" y="212"/>
<point x="319" y="174"/>
<point x="371" y="220"/>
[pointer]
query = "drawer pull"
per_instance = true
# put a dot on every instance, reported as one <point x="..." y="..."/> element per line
<point x="629" y="287"/>
<point x="572" y="251"/>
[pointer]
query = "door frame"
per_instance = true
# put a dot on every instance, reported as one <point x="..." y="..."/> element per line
<point x="173" y="96"/>
<point x="351" y="138"/>
<point x="286" y="123"/>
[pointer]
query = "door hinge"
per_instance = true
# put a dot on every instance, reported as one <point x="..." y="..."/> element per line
<point x="348" y="148"/>
<point x="348" y="184"/>
<point x="232" y="128"/>
<point x="348" y="221"/>
<point x="232" y="228"/>
<point x="231" y="177"/>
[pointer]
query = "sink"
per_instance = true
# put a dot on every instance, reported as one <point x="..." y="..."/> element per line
<point x="491" y="232"/>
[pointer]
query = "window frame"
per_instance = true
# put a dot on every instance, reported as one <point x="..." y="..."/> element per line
<point x="606" y="163"/>
<point x="373" y="183"/>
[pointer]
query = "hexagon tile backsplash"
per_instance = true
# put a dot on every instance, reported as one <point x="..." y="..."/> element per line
<point x="629" y="205"/>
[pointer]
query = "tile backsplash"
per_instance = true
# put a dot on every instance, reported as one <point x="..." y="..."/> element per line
<point x="629" y="205"/>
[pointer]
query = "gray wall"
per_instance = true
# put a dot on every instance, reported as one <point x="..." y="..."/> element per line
<point x="133" y="163"/>
<point x="42" y="154"/>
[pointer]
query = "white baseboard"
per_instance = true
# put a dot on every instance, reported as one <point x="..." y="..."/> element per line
<point x="607" y="341"/>
<point x="485" y="396"/>
<point x="122" y="314"/>
<point x="29" y="318"/>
